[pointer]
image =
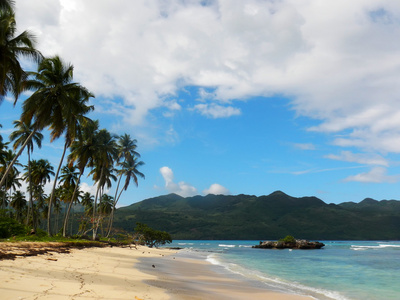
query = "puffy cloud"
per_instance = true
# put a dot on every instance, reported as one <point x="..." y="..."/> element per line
<point x="375" y="175"/>
<point x="216" y="189"/>
<point x="181" y="188"/>
<point x="337" y="60"/>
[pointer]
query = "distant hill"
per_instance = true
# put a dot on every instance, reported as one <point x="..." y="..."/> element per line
<point x="246" y="217"/>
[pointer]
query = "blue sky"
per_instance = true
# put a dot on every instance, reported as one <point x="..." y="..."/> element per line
<point x="236" y="96"/>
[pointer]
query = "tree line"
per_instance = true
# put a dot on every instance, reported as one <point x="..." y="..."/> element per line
<point x="61" y="105"/>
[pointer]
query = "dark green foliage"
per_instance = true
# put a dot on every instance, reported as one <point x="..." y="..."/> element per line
<point x="246" y="217"/>
<point x="288" y="239"/>
<point x="10" y="227"/>
<point x="152" y="237"/>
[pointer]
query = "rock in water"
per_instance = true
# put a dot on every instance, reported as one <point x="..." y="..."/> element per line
<point x="298" y="244"/>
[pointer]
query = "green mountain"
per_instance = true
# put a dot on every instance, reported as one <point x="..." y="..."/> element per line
<point x="246" y="217"/>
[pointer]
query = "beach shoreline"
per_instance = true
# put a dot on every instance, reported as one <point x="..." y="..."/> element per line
<point x="140" y="273"/>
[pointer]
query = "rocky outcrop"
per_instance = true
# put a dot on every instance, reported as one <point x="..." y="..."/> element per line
<point x="298" y="244"/>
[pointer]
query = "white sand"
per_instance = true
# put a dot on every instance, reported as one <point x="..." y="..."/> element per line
<point x="110" y="273"/>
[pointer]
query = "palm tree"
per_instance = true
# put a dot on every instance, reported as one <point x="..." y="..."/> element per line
<point x="129" y="169"/>
<point x="83" y="150"/>
<point x="18" y="202"/>
<point x="19" y="136"/>
<point x="7" y="4"/>
<point x="57" y="102"/>
<point x="105" y="207"/>
<point x="102" y="164"/>
<point x="126" y="150"/>
<point x="12" y="48"/>
<point x="41" y="172"/>
<point x="69" y="179"/>
<point x="12" y="179"/>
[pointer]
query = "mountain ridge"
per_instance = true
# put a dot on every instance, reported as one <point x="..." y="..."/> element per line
<point x="264" y="217"/>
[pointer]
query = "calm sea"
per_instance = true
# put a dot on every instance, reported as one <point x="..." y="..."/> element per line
<point x="341" y="270"/>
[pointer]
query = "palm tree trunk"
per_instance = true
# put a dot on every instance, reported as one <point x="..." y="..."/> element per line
<point x="95" y="205"/>
<point x="112" y="212"/>
<point x="30" y="193"/>
<point x="70" y="205"/>
<point x="54" y="189"/>
<point x="16" y="157"/>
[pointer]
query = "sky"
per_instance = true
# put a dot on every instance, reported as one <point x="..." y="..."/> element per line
<point x="235" y="96"/>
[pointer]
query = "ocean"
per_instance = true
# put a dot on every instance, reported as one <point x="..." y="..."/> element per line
<point x="342" y="270"/>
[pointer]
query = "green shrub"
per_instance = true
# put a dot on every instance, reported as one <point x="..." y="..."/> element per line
<point x="288" y="239"/>
<point x="10" y="227"/>
<point x="151" y="237"/>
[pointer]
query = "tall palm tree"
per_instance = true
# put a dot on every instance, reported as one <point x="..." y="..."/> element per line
<point x="12" y="48"/>
<point x="18" y="202"/>
<point x="57" y="102"/>
<point x="126" y="150"/>
<point x="19" y="136"/>
<point x="102" y="164"/>
<point x="129" y="169"/>
<point x="83" y="150"/>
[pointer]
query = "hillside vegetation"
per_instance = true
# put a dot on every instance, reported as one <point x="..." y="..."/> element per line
<point x="265" y="217"/>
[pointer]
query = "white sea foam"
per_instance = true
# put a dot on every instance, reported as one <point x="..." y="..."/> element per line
<point x="227" y="246"/>
<point x="275" y="283"/>
<point x="379" y="246"/>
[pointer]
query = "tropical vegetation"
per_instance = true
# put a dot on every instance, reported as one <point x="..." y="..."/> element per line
<point x="61" y="106"/>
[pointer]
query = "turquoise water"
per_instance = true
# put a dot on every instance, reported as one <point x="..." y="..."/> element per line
<point x="341" y="270"/>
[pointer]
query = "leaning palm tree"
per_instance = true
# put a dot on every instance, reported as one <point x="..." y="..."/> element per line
<point x="57" y="102"/>
<point x="12" y="48"/>
<point x="19" y="136"/>
<point x="129" y="169"/>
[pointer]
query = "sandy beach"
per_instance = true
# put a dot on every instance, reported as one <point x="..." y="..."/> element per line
<point x="121" y="273"/>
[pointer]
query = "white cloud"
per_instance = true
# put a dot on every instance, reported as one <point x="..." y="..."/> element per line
<point x="337" y="60"/>
<point x="305" y="146"/>
<point x="361" y="158"/>
<point x="181" y="188"/>
<point x="92" y="189"/>
<point x="375" y="175"/>
<point x="216" y="111"/>
<point x="216" y="189"/>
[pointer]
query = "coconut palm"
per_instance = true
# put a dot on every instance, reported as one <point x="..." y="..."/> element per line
<point x="12" y="179"/>
<point x="18" y="202"/>
<point x="57" y="102"/>
<point x="22" y="131"/>
<point x="87" y="202"/>
<point x="7" y="4"/>
<point x="83" y="150"/>
<point x="129" y="169"/>
<point x="102" y="164"/>
<point x="12" y="48"/>
<point x="70" y="181"/>
<point x="41" y="173"/>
